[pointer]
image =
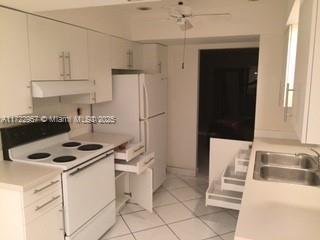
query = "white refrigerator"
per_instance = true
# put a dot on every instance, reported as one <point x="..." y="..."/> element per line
<point x="140" y="105"/>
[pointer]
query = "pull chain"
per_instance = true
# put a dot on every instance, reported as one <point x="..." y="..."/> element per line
<point x="184" y="44"/>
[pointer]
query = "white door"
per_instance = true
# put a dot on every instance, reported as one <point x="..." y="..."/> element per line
<point x="46" y="42"/>
<point x="157" y="142"/>
<point x="99" y="46"/>
<point x="153" y="95"/>
<point x="87" y="189"/>
<point x="15" y="92"/>
<point x="124" y="106"/>
<point x="76" y="48"/>
<point x="141" y="189"/>
<point x="48" y="226"/>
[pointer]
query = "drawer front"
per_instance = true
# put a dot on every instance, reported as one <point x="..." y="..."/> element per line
<point x="137" y="165"/>
<point x="48" y="226"/>
<point x="42" y="190"/>
<point x="42" y="206"/>
<point x="130" y="152"/>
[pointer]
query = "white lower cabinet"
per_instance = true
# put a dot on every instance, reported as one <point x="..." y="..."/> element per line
<point x="48" y="226"/>
<point x="134" y="176"/>
<point x="35" y="214"/>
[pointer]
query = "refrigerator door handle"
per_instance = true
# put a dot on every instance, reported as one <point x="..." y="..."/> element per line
<point x="146" y="134"/>
<point x="145" y="100"/>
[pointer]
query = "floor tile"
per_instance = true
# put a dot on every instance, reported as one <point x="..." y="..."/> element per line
<point x="199" y="208"/>
<point x="196" y="181"/>
<point x="139" y="221"/>
<point x="174" y="213"/>
<point x="229" y="236"/>
<point x="173" y="183"/>
<point x="119" y="229"/>
<point x="163" y="198"/>
<point x="184" y="194"/>
<point x="215" y="238"/>
<point x="221" y="223"/>
<point x="160" y="233"/>
<point x="202" y="189"/>
<point x="126" y="237"/>
<point x="130" y="208"/>
<point x="192" y="229"/>
<point x="234" y="213"/>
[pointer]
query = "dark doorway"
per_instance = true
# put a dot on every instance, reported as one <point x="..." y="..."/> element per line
<point x="227" y="98"/>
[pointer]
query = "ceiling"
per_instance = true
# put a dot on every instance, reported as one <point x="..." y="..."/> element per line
<point x="49" y="5"/>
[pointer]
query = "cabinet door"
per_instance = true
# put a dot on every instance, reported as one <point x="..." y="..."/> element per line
<point x="46" y="43"/>
<point x="15" y="92"/>
<point x="49" y="226"/>
<point x="313" y="131"/>
<point x="151" y="58"/>
<point x="120" y="53"/>
<point x="304" y="64"/>
<point x="76" y="51"/>
<point x="136" y="58"/>
<point x="100" y="65"/>
<point x="163" y="55"/>
<point x="141" y="189"/>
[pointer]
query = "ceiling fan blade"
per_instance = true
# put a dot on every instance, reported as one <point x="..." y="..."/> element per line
<point x="211" y="14"/>
<point x="186" y="26"/>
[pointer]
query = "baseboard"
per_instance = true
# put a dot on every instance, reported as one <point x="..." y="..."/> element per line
<point x="182" y="171"/>
<point x="275" y="134"/>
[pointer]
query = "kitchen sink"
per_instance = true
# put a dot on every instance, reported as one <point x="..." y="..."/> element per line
<point x="288" y="168"/>
<point x="303" y="161"/>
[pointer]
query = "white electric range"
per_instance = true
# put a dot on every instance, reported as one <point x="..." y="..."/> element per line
<point x="88" y="181"/>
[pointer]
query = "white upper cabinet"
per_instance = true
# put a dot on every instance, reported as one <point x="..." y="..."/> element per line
<point x="155" y="59"/>
<point x="306" y="114"/>
<point x="125" y="54"/>
<point x="15" y="91"/>
<point x="99" y="46"/>
<point x="57" y="51"/>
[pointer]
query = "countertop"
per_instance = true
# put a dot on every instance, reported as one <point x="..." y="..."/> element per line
<point x="278" y="211"/>
<point x="22" y="177"/>
<point x="114" y="139"/>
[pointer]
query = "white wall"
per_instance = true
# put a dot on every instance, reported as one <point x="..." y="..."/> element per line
<point x="101" y="19"/>
<point x="183" y="102"/>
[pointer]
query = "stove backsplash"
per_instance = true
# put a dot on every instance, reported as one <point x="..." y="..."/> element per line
<point x="53" y="107"/>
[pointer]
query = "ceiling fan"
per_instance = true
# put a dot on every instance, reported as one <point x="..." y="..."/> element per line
<point x="183" y="14"/>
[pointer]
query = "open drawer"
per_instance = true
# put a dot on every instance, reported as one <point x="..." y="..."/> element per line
<point x="137" y="165"/>
<point x="130" y="152"/>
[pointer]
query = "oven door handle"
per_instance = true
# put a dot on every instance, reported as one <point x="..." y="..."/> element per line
<point x="80" y="169"/>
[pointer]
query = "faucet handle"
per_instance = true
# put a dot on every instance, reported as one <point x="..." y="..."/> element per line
<point x="316" y="152"/>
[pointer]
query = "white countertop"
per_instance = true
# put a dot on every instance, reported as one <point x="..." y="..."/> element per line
<point x="21" y="176"/>
<point x="278" y="211"/>
<point x="114" y="139"/>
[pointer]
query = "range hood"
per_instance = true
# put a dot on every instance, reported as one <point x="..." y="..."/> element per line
<point x="43" y="89"/>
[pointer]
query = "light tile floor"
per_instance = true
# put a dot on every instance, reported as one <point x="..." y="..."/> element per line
<point x="179" y="214"/>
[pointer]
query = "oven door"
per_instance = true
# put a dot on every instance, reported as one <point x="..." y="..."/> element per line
<point x="87" y="189"/>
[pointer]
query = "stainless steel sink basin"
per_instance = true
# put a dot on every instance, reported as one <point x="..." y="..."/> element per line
<point x="287" y="168"/>
<point x="287" y="160"/>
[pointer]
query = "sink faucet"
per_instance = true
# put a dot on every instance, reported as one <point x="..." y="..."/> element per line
<point x="317" y="156"/>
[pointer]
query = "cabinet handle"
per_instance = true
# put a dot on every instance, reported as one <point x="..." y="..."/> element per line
<point x="286" y="107"/>
<point x="68" y="57"/>
<point x="47" y="203"/>
<point x="147" y="162"/>
<point x="129" y="58"/>
<point x="45" y="187"/>
<point x="160" y="67"/>
<point x="62" y="74"/>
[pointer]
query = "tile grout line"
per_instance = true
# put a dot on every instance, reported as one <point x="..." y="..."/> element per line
<point x="167" y="226"/>
<point x="197" y="217"/>
<point x="128" y="227"/>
